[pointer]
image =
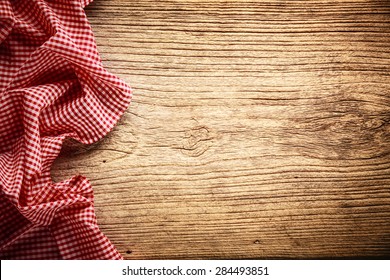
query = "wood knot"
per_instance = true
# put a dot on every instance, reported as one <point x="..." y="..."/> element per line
<point x="350" y="136"/>
<point x="196" y="141"/>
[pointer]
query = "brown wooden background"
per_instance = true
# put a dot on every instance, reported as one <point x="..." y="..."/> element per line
<point x="258" y="129"/>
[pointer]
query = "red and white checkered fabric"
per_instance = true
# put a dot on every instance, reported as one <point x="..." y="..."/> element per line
<point x="52" y="86"/>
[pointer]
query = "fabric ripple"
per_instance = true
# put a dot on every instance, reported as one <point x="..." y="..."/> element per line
<point x="52" y="86"/>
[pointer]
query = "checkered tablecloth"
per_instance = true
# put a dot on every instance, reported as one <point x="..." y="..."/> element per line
<point x="52" y="86"/>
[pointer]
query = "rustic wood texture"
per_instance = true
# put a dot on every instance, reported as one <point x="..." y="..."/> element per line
<point x="258" y="129"/>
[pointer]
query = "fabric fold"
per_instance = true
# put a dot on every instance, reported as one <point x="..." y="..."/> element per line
<point x="52" y="86"/>
<point x="6" y="20"/>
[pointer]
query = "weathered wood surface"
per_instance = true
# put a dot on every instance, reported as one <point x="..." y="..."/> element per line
<point x="258" y="129"/>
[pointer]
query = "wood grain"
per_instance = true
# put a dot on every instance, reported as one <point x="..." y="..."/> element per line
<point x="258" y="129"/>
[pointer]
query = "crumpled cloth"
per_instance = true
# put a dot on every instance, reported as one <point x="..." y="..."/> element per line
<point x="52" y="86"/>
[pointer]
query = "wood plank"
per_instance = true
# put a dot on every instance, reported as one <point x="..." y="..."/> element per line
<point x="258" y="129"/>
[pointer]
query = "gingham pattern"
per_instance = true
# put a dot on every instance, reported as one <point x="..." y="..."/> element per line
<point x="52" y="86"/>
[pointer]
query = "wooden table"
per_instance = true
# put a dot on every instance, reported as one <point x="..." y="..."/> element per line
<point x="258" y="129"/>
